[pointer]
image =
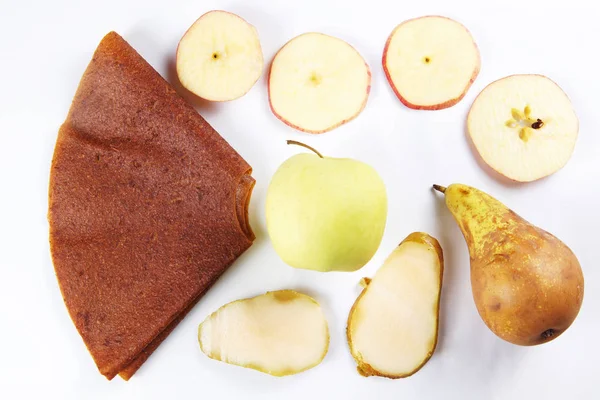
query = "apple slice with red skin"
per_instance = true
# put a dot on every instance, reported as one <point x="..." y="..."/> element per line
<point x="523" y="126"/>
<point x="318" y="82"/>
<point x="219" y="58"/>
<point x="431" y="62"/>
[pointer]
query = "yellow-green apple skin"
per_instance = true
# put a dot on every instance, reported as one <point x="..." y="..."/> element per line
<point x="326" y="214"/>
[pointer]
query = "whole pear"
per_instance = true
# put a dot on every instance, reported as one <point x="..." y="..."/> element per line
<point x="527" y="284"/>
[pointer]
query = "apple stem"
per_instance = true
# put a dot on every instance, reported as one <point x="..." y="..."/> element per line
<point x="305" y="146"/>
<point x="439" y="188"/>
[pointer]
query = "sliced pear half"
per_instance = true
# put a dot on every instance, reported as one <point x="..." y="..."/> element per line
<point x="278" y="333"/>
<point x="393" y="326"/>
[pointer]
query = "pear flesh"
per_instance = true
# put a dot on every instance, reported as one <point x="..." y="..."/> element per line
<point x="278" y="333"/>
<point x="527" y="284"/>
<point x="393" y="326"/>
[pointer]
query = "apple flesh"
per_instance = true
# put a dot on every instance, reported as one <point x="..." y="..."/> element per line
<point x="326" y="214"/>
<point x="393" y="325"/>
<point x="278" y="333"/>
<point x="219" y="58"/>
<point x="523" y="126"/>
<point x="318" y="82"/>
<point x="431" y="62"/>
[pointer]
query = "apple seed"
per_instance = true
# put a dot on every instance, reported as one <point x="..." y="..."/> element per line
<point x="525" y="121"/>
<point x="525" y="133"/>
<point x="516" y="114"/>
<point x="537" y="124"/>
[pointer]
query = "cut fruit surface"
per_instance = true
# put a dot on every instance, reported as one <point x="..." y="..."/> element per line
<point x="393" y="326"/>
<point x="430" y="62"/>
<point x="220" y="57"/>
<point x="523" y="126"/>
<point x="318" y="82"/>
<point x="279" y="333"/>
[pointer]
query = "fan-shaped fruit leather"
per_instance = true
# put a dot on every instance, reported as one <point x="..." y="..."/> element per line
<point x="148" y="207"/>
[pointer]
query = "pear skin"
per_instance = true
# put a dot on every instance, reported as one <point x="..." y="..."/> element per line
<point x="527" y="284"/>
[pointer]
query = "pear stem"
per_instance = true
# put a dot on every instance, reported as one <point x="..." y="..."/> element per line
<point x="439" y="188"/>
<point x="305" y="146"/>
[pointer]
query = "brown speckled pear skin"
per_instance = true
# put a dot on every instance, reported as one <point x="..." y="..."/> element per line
<point x="527" y="285"/>
<point x="148" y="206"/>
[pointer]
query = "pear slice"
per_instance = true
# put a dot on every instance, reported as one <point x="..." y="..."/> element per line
<point x="393" y="326"/>
<point x="278" y="333"/>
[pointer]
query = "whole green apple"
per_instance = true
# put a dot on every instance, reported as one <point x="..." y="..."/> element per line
<point x="326" y="214"/>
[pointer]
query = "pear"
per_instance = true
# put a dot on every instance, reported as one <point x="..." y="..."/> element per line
<point x="392" y="327"/>
<point x="527" y="284"/>
<point x="279" y="333"/>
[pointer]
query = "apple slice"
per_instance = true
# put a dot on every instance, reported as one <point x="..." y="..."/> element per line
<point x="318" y="82"/>
<point x="430" y="62"/>
<point x="523" y="126"/>
<point x="278" y="333"/>
<point x="219" y="58"/>
<point x="393" y="326"/>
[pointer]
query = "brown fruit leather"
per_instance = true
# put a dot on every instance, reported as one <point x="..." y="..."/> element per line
<point x="147" y="206"/>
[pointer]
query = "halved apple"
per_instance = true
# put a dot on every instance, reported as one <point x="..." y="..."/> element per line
<point x="318" y="82"/>
<point x="431" y="62"/>
<point x="219" y="58"/>
<point x="279" y="333"/>
<point x="393" y="326"/>
<point x="523" y="126"/>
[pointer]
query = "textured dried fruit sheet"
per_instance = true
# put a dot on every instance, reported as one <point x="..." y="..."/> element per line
<point x="147" y="208"/>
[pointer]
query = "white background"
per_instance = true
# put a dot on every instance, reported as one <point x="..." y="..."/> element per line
<point x="45" y="47"/>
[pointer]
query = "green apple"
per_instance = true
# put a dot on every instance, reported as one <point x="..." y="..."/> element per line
<point x="324" y="213"/>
